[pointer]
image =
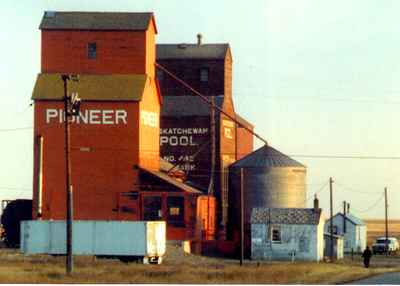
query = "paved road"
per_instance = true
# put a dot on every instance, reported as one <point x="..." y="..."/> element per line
<point x="387" y="278"/>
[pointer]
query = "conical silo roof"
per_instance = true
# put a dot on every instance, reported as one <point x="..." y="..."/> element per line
<point x="266" y="157"/>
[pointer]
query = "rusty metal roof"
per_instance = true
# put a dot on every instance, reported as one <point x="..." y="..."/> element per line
<point x="177" y="106"/>
<point x="172" y="181"/>
<point x="266" y="157"/>
<point x="95" y="21"/>
<point x="92" y="87"/>
<point x="285" y="216"/>
<point x="191" y="51"/>
<point x="167" y="167"/>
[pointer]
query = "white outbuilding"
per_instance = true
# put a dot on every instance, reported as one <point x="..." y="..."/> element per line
<point x="287" y="234"/>
<point x="353" y="230"/>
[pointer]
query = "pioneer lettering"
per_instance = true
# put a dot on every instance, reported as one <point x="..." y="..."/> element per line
<point x="89" y="116"/>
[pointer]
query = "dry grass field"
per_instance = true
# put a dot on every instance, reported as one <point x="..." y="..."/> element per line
<point x="179" y="268"/>
<point x="376" y="228"/>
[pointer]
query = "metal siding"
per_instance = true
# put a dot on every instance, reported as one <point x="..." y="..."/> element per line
<point x="131" y="238"/>
<point x="271" y="180"/>
<point x="270" y="188"/>
<point x="303" y="240"/>
<point x="34" y="237"/>
<point x="57" y="237"/>
<point x="95" y="238"/>
<point x="266" y="157"/>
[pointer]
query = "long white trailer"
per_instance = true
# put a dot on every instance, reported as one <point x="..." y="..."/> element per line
<point x="127" y="240"/>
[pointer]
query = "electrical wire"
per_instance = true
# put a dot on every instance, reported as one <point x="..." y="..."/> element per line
<point x="317" y="192"/>
<point x="372" y="206"/>
<point x="346" y="157"/>
<point x="353" y="190"/>
<point x="208" y="101"/>
<point x="16" y="129"/>
<point x="15" y="189"/>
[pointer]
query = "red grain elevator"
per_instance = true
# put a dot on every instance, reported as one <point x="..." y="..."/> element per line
<point x="115" y="158"/>
<point x="185" y="123"/>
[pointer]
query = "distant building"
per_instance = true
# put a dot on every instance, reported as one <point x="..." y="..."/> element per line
<point x="353" y="229"/>
<point x="287" y="234"/>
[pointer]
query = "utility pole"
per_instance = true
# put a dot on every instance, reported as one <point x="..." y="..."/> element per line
<point x="331" y="224"/>
<point x="344" y="217"/>
<point x="241" y="217"/>
<point x="386" y="223"/>
<point x="71" y="107"/>
<point x="212" y="171"/>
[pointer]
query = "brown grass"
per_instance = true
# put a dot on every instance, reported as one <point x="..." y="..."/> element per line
<point x="376" y="228"/>
<point x="177" y="268"/>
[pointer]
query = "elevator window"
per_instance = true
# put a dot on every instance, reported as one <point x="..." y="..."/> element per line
<point x="152" y="208"/>
<point x="176" y="209"/>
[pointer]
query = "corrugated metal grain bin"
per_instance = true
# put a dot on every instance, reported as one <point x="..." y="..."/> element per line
<point x="108" y="238"/>
<point x="271" y="180"/>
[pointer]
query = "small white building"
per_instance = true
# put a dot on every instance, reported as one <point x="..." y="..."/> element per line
<point x="287" y="234"/>
<point x="353" y="230"/>
<point x="338" y="244"/>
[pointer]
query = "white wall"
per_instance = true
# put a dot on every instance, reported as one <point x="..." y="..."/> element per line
<point x="320" y="239"/>
<point x="306" y="241"/>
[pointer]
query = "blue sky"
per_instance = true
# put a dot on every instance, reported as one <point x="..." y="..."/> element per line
<point x="315" y="77"/>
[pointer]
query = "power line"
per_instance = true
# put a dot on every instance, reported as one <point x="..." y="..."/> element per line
<point x="207" y="100"/>
<point x="317" y="192"/>
<point x="15" y="189"/>
<point x="372" y="206"/>
<point x="355" y="191"/>
<point x="345" y="157"/>
<point x="15" y="129"/>
<point x="310" y="156"/>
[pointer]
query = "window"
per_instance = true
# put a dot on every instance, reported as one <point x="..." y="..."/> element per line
<point x="175" y="206"/>
<point x="92" y="50"/>
<point x="152" y="208"/>
<point x="276" y="234"/>
<point x="335" y="229"/>
<point x="204" y="74"/>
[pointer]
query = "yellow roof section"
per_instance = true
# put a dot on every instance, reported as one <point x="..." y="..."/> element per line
<point x="91" y="87"/>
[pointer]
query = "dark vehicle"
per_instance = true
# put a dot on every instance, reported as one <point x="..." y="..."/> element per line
<point x="15" y="212"/>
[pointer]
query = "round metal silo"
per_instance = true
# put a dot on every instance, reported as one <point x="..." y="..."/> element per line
<point x="271" y="179"/>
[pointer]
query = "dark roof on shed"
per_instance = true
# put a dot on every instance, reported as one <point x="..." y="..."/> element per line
<point x="95" y="21"/>
<point x="191" y="51"/>
<point x="266" y="156"/>
<point x="176" y="106"/>
<point x="285" y="216"/>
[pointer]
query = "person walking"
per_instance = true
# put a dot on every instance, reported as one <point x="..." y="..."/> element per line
<point x="367" y="256"/>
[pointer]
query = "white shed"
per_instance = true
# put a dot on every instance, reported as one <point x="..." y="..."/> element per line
<point x="338" y="251"/>
<point x="287" y="234"/>
<point x="353" y="230"/>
